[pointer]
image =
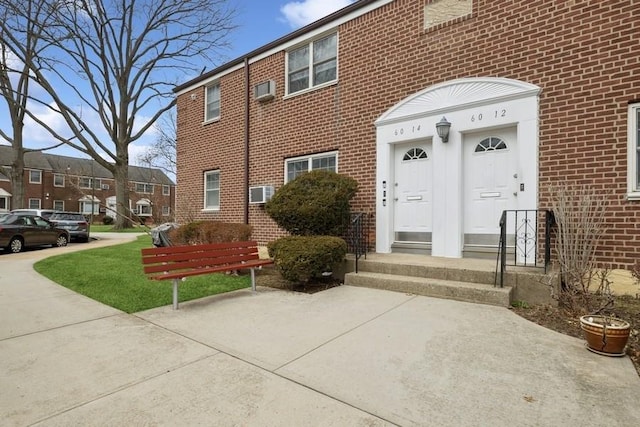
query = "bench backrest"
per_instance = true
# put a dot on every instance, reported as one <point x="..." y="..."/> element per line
<point x="175" y="258"/>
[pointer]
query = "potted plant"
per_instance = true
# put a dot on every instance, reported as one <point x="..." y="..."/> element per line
<point x="605" y="335"/>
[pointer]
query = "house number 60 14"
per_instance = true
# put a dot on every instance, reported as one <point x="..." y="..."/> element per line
<point x="400" y="131"/>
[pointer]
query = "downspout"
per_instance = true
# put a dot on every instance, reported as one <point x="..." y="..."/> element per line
<point x="246" y="140"/>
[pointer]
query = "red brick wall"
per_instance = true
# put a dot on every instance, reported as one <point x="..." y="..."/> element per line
<point x="583" y="54"/>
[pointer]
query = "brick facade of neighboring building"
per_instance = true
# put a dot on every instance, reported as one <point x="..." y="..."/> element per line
<point x="574" y="64"/>
<point x="65" y="183"/>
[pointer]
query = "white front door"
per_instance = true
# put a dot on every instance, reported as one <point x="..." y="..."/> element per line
<point x="412" y="197"/>
<point x="491" y="181"/>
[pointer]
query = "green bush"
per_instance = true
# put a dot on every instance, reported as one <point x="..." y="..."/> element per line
<point x="301" y="258"/>
<point x="315" y="203"/>
<point x="107" y="220"/>
<point x="200" y="232"/>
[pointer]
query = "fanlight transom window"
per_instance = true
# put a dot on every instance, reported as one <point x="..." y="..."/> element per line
<point x="490" y="144"/>
<point x="415" y="154"/>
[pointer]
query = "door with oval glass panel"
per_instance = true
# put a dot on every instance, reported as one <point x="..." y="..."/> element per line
<point x="491" y="185"/>
<point x="412" y="197"/>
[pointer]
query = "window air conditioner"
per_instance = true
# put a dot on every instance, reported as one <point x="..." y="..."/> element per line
<point x="264" y="91"/>
<point x="105" y="186"/>
<point x="260" y="194"/>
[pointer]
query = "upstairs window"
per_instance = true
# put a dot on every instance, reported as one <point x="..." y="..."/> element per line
<point x="313" y="64"/>
<point x="58" y="180"/>
<point x="84" y="182"/>
<point x="35" y="177"/>
<point x="166" y="190"/>
<point x="633" y="156"/>
<point x="144" y="188"/>
<point x="212" y="111"/>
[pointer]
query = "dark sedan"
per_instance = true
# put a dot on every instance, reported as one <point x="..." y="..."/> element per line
<point x="20" y="231"/>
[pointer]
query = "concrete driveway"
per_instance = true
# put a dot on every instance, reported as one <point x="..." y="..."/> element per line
<point x="343" y="357"/>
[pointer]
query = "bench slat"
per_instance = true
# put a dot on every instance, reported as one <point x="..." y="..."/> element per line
<point x="198" y="262"/>
<point x="199" y="254"/>
<point x="208" y="270"/>
<point x="190" y="248"/>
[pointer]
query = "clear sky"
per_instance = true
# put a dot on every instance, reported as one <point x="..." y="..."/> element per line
<point x="259" y="22"/>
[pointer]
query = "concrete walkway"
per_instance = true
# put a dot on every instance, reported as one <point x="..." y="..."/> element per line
<point x="343" y="357"/>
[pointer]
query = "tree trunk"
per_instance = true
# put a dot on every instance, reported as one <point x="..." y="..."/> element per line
<point x="17" y="175"/>
<point x="121" y="177"/>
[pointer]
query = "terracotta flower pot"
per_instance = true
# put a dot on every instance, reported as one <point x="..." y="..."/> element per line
<point x="605" y="335"/>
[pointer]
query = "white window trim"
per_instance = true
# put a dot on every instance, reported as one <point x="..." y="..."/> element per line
<point x="166" y="210"/>
<point x="168" y="192"/>
<point x="95" y="182"/>
<point x="145" y="184"/>
<point x="204" y="199"/>
<point x="54" y="180"/>
<point x="310" y="158"/>
<point x="35" y="182"/>
<point x="39" y="204"/>
<point x="58" y="201"/>
<point x="310" y="42"/>
<point x="633" y="187"/>
<point x="206" y="90"/>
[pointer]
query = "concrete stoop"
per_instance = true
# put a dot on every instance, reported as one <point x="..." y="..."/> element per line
<point x="448" y="289"/>
<point x="464" y="279"/>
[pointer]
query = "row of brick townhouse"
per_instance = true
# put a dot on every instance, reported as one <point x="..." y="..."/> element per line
<point x="82" y="185"/>
<point x="531" y="92"/>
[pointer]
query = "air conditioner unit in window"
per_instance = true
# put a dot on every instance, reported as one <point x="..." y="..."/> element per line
<point x="105" y="186"/>
<point x="260" y="194"/>
<point x="264" y="91"/>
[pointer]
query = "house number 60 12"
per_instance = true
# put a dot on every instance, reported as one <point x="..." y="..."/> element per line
<point x="496" y="113"/>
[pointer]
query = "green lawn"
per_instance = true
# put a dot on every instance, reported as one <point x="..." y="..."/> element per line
<point x="101" y="228"/>
<point x="114" y="276"/>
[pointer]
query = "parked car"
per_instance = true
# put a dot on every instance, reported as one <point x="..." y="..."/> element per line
<point x="4" y="215"/>
<point x="44" y="213"/>
<point x="75" y="223"/>
<point x="20" y="231"/>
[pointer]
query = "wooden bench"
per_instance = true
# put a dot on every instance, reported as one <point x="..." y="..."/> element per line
<point x="179" y="262"/>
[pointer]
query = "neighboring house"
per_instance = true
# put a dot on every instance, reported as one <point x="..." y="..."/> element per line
<point x="535" y="93"/>
<point x="82" y="185"/>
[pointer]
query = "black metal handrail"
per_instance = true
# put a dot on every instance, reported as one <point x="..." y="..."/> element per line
<point x="358" y="236"/>
<point x="521" y="228"/>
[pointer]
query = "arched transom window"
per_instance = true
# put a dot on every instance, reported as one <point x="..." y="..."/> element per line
<point x="414" y="154"/>
<point x="490" y="144"/>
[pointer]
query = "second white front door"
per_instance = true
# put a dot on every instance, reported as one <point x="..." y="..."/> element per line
<point x="491" y="181"/>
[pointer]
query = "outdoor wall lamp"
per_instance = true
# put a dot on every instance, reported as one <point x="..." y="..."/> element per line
<point x="443" y="129"/>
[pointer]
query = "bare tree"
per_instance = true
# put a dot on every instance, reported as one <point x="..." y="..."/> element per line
<point x="15" y="87"/>
<point x="162" y="153"/>
<point x="120" y="59"/>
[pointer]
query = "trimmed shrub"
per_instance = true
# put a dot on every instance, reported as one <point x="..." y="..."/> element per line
<point x="302" y="258"/>
<point x="107" y="220"/>
<point x="315" y="203"/>
<point x="200" y="232"/>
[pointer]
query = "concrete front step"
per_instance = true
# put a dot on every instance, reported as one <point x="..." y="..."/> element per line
<point x="439" y="288"/>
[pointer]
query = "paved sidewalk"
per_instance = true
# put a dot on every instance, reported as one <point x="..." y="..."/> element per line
<point x="343" y="357"/>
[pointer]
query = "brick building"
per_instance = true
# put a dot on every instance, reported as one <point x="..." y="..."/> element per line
<point x="71" y="184"/>
<point x="534" y="93"/>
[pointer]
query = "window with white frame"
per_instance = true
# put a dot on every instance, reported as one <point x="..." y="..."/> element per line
<point x="58" y="180"/>
<point x="212" y="107"/>
<point x="89" y="205"/>
<point x="313" y="64"/>
<point x="86" y="182"/>
<point x="58" y="205"/>
<point x="633" y="168"/>
<point x="4" y="203"/>
<point x="144" y="188"/>
<point x="143" y="207"/>
<point x="166" y="190"/>
<point x="166" y="211"/>
<point x="212" y="190"/>
<point x="34" y="203"/>
<point x="296" y="166"/>
<point x="35" y="177"/>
